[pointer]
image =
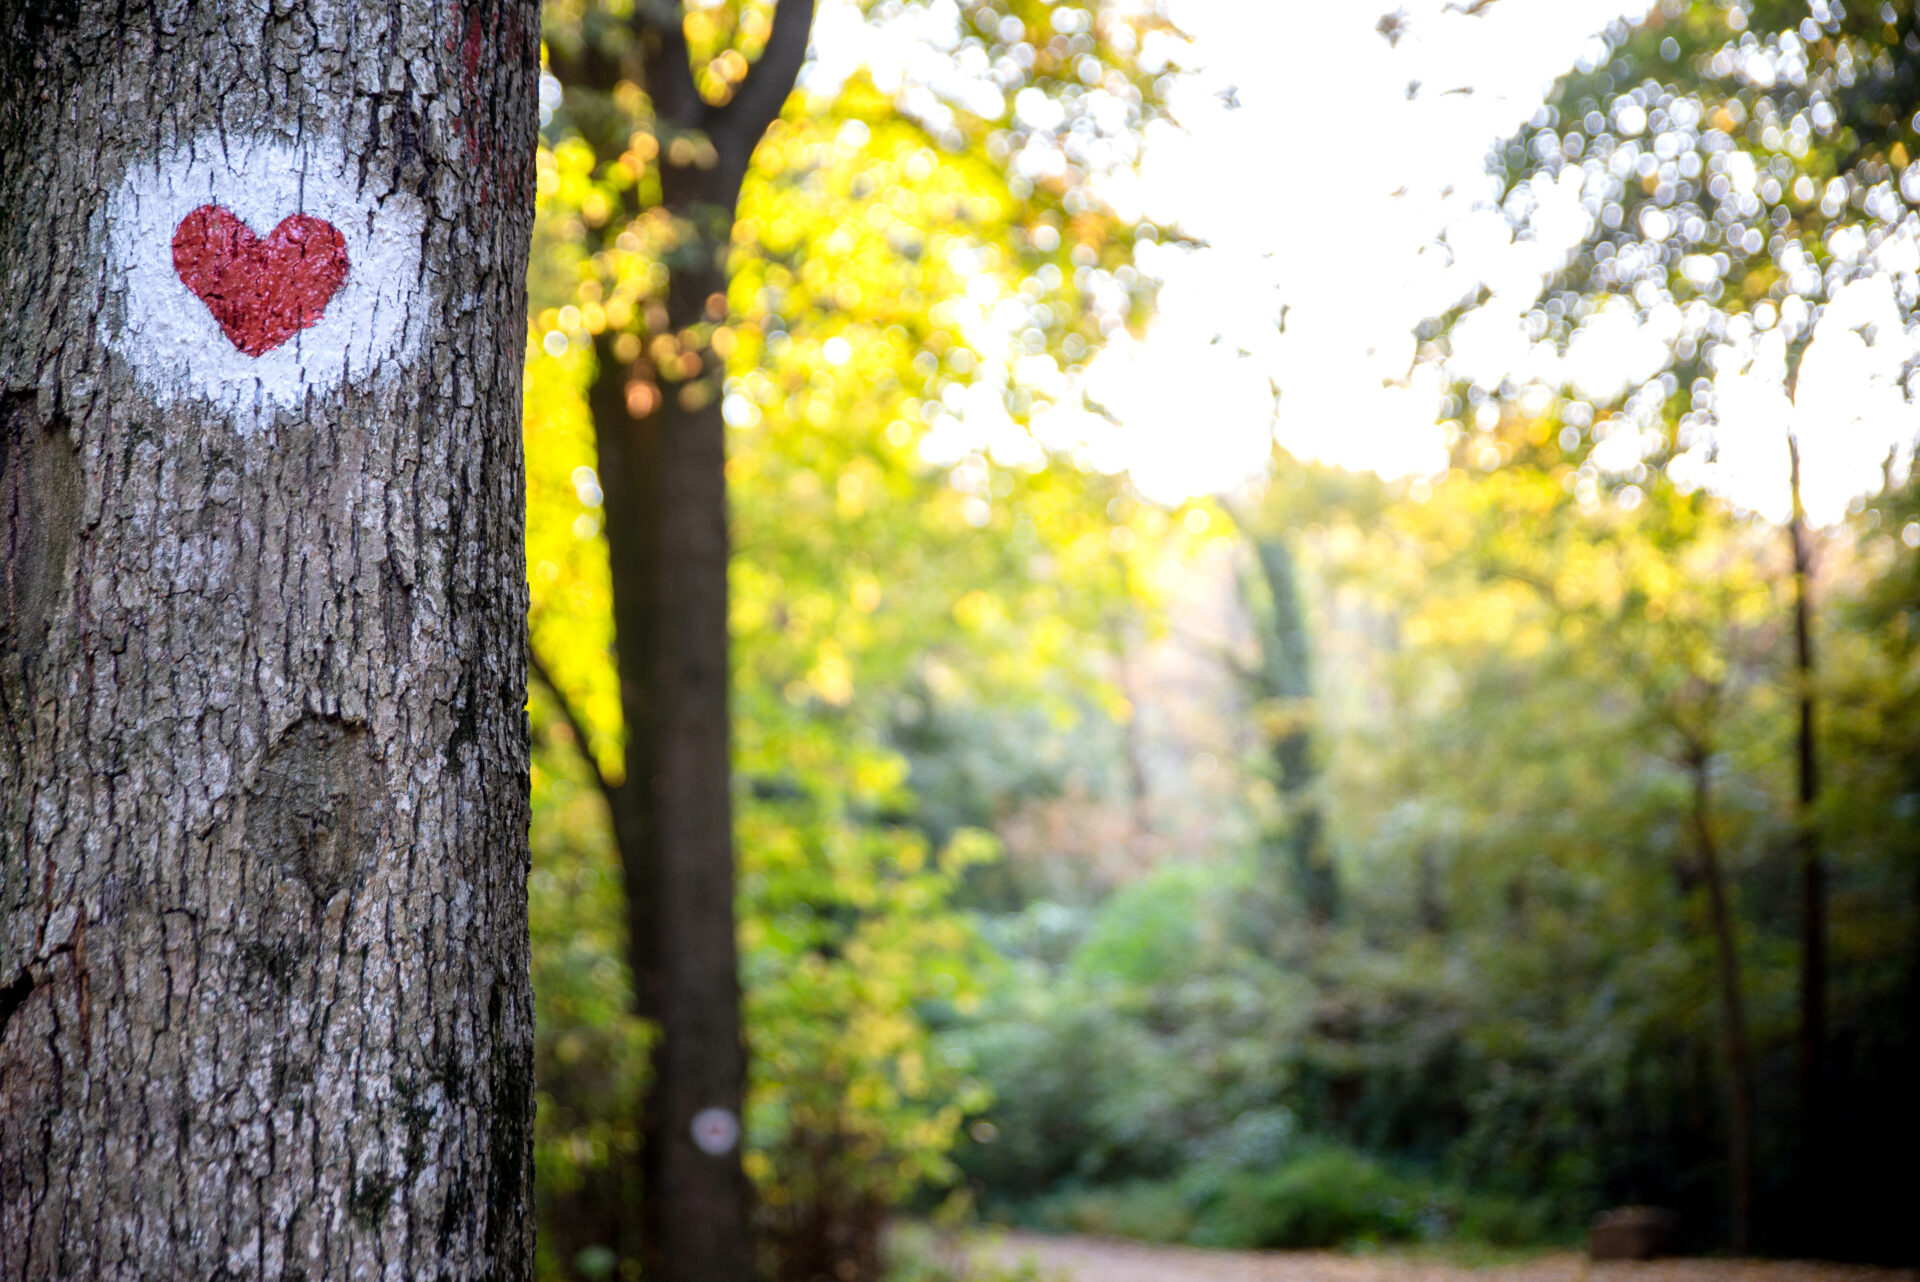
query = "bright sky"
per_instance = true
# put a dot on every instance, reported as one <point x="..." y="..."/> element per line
<point x="1273" y="187"/>
<point x="1322" y="165"/>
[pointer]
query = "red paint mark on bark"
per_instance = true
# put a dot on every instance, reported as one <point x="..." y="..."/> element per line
<point x="262" y="290"/>
<point x="473" y="122"/>
<point x="470" y="55"/>
<point x="482" y="32"/>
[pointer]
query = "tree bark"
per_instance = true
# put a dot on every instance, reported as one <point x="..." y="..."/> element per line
<point x="1733" y="1020"/>
<point x="265" y="1008"/>
<point x="662" y="471"/>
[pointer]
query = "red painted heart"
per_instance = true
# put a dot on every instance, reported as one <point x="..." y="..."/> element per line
<point x="262" y="291"/>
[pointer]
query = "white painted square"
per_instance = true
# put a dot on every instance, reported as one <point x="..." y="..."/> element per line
<point x="176" y="348"/>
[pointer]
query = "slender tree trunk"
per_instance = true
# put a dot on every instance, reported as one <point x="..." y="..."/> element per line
<point x="1430" y="908"/>
<point x="265" y="1009"/>
<point x="1733" y="1019"/>
<point x="1288" y="678"/>
<point x="662" y="456"/>
<point x="1139" y="786"/>
<point x="1813" y="870"/>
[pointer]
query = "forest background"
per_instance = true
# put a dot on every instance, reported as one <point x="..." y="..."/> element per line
<point x="1333" y="858"/>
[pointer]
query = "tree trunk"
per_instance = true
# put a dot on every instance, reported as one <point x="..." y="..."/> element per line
<point x="1733" y="1019"/>
<point x="1288" y="680"/>
<point x="663" y="475"/>
<point x="1142" y="838"/>
<point x="662" y="471"/>
<point x="1813" y="869"/>
<point x="265" y="1009"/>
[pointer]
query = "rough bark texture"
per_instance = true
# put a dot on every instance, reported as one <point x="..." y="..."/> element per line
<point x="264" y="999"/>
<point x="663" y="474"/>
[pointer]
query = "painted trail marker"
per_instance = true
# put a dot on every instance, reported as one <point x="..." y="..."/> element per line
<point x="254" y="274"/>
<point x="715" y="1131"/>
<point x="262" y="290"/>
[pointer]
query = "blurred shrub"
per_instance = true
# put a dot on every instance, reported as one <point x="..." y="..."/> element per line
<point x="1507" y="1221"/>
<point x="1156" y="1044"/>
<point x="1147" y="933"/>
<point x="916" y="1252"/>
<point x="851" y="955"/>
<point x="1145" y="1210"/>
<point x="590" y="1052"/>
<point x="1326" y="1196"/>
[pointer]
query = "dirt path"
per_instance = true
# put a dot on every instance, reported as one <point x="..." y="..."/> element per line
<point x="1078" y="1259"/>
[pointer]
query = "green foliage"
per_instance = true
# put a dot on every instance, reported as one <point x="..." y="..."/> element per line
<point x="1739" y="164"/>
<point x="1154" y="1041"/>
<point x="849" y="958"/>
<point x="1145" y="1210"/>
<point x="1514" y="673"/>
<point x="918" y="1253"/>
<point x="876" y="263"/>
<point x="1327" y="1196"/>
<point x="590" y="1053"/>
<point x="1147" y="933"/>
<point x="1517" y="1024"/>
<point x="1321" y="1196"/>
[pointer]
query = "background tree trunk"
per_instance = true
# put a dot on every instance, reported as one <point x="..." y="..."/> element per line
<point x="662" y="471"/>
<point x="1736" y="1047"/>
<point x="1286" y="680"/>
<point x="265" y="1009"/>
<point x="1813" y="869"/>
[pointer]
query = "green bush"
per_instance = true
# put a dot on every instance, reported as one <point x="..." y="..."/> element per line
<point x="1148" y="933"/>
<point x="1506" y="1221"/>
<point x="1323" y="1197"/>
<point x="1145" y="1210"/>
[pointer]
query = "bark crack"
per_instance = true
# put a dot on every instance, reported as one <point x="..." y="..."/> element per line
<point x="13" y="996"/>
